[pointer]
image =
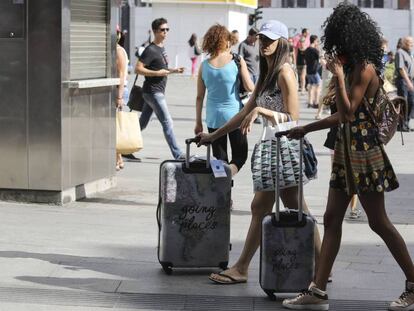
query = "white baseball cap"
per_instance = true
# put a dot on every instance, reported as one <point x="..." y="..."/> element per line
<point x="274" y="30"/>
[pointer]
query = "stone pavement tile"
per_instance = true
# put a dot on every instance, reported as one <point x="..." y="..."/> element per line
<point x="376" y="268"/>
<point x="383" y="294"/>
<point x="375" y="259"/>
<point x="4" y="306"/>
<point x="340" y="265"/>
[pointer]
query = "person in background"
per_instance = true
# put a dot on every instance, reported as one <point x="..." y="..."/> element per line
<point x="153" y="64"/>
<point x="292" y="55"/>
<point x="404" y="74"/>
<point x="399" y="44"/>
<point x="122" y="89"/>
<point x="219" y="76"/>
<point x="249" y="50"/>
<point x="389" y="72"/>
<point x="236" y="41"/>
<point x="301" y="64"/>
<point x="313" y="65"/>
<point x="194" y="52"/>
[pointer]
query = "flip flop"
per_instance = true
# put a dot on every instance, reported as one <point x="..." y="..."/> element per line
<point x="232" y="279"/>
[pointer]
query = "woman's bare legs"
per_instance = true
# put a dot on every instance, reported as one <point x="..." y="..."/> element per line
<point x="373" y="204"/>
<point x="262" y="205"/>
<point x="119" y="162"/>
<point x="335" y="212"/>
<point x="303" y="79"/>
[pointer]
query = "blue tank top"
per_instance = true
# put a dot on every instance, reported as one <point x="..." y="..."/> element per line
<point x="223" y="100"/>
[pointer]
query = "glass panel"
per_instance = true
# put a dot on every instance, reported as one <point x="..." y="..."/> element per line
<point x="302" y="3"/>
<point x="364" y="3"/>
<point x="288" y="3"/>
<point x="378" y="3"/>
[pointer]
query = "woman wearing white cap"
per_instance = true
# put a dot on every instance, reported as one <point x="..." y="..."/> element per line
<point x="275" y="98"/>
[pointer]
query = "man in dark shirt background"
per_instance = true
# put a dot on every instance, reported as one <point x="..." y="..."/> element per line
<point x="249" y="50"/>
<point x="312" y="72"/>
<point x="153" y="64"/>
<point x="404" y="79"/>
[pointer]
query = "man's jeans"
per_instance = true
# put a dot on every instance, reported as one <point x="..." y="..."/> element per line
<point x="156" y="103"/>
<point x="402" y="90"/>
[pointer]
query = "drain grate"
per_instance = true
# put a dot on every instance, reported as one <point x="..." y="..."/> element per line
<point x="140" y="301"/>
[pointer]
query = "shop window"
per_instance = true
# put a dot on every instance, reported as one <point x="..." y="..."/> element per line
<point x="288" y="3"/>
<point x="88" y="39"/>
<point x="378" y="3"/>
<point x="294" y="4"/>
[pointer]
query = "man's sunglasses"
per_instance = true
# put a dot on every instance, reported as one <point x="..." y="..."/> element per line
<point x="164" y="29"/>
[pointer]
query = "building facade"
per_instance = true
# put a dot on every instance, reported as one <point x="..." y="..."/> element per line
<point x="374" y="4"/>
<point x="184" y="18"/>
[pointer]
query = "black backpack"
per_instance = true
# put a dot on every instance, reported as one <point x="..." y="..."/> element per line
<point x="242" y="91"/>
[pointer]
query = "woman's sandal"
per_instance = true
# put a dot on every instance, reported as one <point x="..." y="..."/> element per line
<point x="230" y="279"/>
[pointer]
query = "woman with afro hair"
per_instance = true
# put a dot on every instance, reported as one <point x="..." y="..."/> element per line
<point x="352" y="43"/>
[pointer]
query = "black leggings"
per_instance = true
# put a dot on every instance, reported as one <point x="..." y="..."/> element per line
<point x="239" y="148"/>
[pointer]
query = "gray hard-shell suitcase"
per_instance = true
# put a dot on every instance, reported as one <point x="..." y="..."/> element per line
<point x="193" y="214"/>
<point x="287" y="251"/>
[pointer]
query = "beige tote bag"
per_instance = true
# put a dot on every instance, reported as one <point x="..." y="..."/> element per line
<point x="128" y="133"/>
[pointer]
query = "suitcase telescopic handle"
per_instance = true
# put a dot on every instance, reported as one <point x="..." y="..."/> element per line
<point x="188" y="143"/>
<point x="300" y="186"/>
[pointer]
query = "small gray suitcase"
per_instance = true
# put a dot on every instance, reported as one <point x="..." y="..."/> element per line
<point x="287" y="249"/>
<point x="193" y="214"/>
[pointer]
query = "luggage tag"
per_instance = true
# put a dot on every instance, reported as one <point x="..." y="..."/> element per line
<point x="218" y="168"/>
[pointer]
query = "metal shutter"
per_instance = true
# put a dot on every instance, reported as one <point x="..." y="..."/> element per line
<point x="88" y="39"/>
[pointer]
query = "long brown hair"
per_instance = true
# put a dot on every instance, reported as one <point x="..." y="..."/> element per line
<point x="268" y="75"/>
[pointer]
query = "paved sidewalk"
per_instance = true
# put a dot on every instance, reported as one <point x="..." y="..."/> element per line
<point x="100" y="253"/>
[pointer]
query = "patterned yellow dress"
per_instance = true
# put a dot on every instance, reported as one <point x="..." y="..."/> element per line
<point x="360" y="163"/>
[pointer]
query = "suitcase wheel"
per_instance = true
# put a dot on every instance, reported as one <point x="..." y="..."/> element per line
<point x="223" y="265"/>
<point x="167" y="268"/>
<point x="270" y="294"/>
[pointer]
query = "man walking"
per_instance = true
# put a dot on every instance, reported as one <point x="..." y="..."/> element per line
<point x="153" y="64"/>
<point x="404" y="74"/>
<point x="249" y="50"/>
<point x="312" y="72"/>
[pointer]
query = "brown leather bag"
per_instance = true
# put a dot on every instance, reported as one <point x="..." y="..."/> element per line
<point x="386" y="113"/>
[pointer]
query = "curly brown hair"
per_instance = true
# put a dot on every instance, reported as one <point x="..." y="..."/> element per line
<point x="216" y="40"/>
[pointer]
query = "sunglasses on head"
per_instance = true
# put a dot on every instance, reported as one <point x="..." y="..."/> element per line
<point x="164" y="29"/>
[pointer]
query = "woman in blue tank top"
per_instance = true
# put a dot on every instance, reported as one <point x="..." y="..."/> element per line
<point x="219" y="75"/>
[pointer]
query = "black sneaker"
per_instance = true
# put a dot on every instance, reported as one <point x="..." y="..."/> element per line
<point x="131" y="157"/>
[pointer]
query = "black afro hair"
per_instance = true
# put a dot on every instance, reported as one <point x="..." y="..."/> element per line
<point x="351" y="33"/>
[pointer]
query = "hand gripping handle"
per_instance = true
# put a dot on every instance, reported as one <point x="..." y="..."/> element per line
<point x="195" y="140"/>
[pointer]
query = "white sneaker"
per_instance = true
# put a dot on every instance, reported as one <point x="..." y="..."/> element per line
<point x="311" y="299"/>
<point x="406" y="300"/>
<point x="355" y="214"/>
